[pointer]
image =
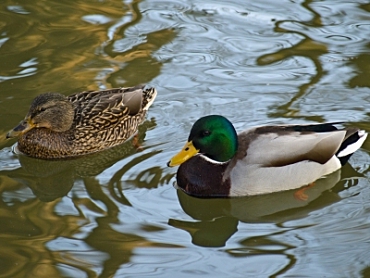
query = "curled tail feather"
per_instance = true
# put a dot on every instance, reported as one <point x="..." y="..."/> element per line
<point x="353" y="141"/>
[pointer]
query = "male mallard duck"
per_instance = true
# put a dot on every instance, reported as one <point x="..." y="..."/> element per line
<point x="218" y="162"/>
<point x="59" y="127"/>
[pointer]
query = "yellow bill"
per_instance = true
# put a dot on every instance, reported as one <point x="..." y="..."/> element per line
<point x="187" y="152"/>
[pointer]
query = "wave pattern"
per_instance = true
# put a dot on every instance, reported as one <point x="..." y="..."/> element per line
<point x="116" y="214"/>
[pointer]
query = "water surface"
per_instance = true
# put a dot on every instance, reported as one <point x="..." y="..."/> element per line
<point x="116" y="213"/>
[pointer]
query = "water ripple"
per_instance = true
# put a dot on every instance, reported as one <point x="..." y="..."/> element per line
<point x="117" y="213"/>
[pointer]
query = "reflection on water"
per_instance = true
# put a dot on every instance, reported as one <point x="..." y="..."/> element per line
<point x="116" y="214"/>
<point x="50" y="179"/>
<point x="278" y="208"/>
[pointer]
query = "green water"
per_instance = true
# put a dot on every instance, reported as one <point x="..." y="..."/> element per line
<point x="117" y="214"/>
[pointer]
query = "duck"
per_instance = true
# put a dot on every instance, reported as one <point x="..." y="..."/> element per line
<point x="216" y="161"/>
<point x="58" y="126"/>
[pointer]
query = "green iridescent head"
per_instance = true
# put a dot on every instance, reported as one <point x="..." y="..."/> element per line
<point x="215" y="137"/>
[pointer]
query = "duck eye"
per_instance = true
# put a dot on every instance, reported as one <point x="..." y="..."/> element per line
<point x="42" y="109"/>
<point x="206" y="133"/>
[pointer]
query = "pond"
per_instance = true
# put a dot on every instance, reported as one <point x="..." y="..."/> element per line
<point x="116" y="213"/>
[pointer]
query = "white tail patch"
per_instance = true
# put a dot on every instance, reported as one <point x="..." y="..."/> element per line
<point x="153" y="95"/>
<point x="350" y="149"/>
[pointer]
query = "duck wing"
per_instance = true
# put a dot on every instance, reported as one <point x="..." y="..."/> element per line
<point x="277" y="146"/>
<point x="102" y="109"/>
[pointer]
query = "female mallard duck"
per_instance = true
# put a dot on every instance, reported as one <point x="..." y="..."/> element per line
<point x="59" y="127"/>
<point x="218" y="162"/>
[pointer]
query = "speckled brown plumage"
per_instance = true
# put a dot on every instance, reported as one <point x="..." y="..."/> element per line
<point x="101" y="119"/>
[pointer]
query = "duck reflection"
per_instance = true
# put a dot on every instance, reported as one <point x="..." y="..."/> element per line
<point x="50" y="179"/>
<point x="219" y="218"/>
